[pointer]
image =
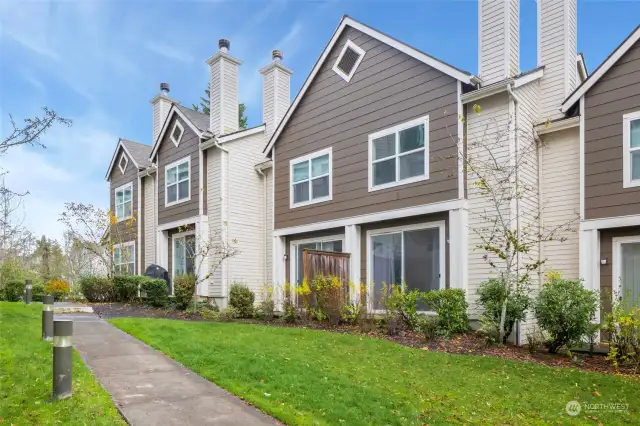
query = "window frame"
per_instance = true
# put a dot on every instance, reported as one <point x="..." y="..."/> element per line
<point x="174" y="238"/>
<point x="115" y="201"/>
<point x="120" y="247"/>
<point x="616" y="275"/>
<point x="627" y="149"/>
<point x="308" y="158"/>
<point x="179" y="125"/>
<point x="401" y="229"/>
<point x="359" y="50"/>
<point x="168" y="167"/>
<point x="126" y="163"/>
<point x="396" y="130"/>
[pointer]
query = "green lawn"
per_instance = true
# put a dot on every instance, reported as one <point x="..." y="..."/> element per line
<point x="26" y="382"/>
<point x="313" y="377"/>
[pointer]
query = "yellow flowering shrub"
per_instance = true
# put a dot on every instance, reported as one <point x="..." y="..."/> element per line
<point x="57" y="288"/>
<point x="623" y="327"/>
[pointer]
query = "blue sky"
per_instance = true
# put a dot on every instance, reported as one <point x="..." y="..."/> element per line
<point x="100" y="62"/>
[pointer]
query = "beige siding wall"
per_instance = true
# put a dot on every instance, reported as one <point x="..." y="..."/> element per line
<point x="499" y="35"/>
<point x="561" y="199"/>
<point x="615" y="94"/>
<point x="269" y="230"/>
<point x="224" y="96"/>
<point x="275" y="97"/>
<point x="214" y="215"/>
<point x="215" y="89"/>
<point x="149" y="220"/>
<point x="388" y="88"/>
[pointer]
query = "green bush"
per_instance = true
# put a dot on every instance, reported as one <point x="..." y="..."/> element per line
<point x="290" y="315"/>
<point x="451" y="306"/>
<point x="155" y="290"/>
<point x="97" y="289"/>
<point x="241" y="298"/>
<point x="491" y="295"/>
<point x="623" y="327"/>
<point x="13" y="290"/>
<point x="38" y="291"/>
<point x="185" y="287"/>
<point x="428" y="325"/>
<point x="126" y="287"/>
<point x="564" y="309"/>
<point x="228" y="314"/>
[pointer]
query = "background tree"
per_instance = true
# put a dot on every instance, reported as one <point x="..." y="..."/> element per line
<point x="50" y="259"/>
<point x="204" y="108"/>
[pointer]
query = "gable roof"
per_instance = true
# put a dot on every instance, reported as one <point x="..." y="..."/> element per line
<point x="198" y="122"/>
<point x="602" y="69"/>
<point x="136" y="151"/>
<point x="346" y="20"/>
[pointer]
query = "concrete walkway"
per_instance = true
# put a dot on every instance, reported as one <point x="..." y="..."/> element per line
<point x="148" y="387"/>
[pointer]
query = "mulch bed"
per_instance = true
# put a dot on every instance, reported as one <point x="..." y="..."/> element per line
<point x="465" y="344"/>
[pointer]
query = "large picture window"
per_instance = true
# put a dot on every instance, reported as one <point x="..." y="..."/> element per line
<point x="177" y="182"/>
<point x="399" y="155"/>
<point x="124" y="201"/>
<point x="631" y="136"/>
<point x="412" y="257"/>
<point x="311" y="178"/>
<point x="124" y="258"/>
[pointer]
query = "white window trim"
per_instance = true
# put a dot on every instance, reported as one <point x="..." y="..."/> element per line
<point x="616" y="260"/>
<point x="121" y="246"/>
<point x="396" y="129"/>
<point x="626" y="156"/>
<point x="174" y="237"/>
<point x="115" y="200"/>
<point x="177" y="124"/>
<point x="394" y="230"/>
<point x="359" y="50"/>
<point x="126" y="163"/>
<point x="166" y="169"/>
<point x="307" y="158"/>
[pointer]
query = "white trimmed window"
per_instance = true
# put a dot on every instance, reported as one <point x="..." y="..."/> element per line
<point x="177" y="182"/>
<point x="124" y="201"/>
<point x="348" y="60"/>
<point x="631" y="155"/>
<point x="399" y="155"/>
<point x="176" y="133"/>
<point x="122" y="164"/>
<point x="124" y="258"/>
<point x="311" y="178"/>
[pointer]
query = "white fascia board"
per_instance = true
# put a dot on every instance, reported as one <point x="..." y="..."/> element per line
<point x="113" y="158"/>
<point x="601" y="70"/>
<point x="528" y="78"/>
<point x="156" y="143"/>
<point x="347" y="21"/>
<point x="610" y="222"/>
<point x="556" y="126"/>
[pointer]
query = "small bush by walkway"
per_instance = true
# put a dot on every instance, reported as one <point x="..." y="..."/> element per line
<point x="25" y="377"/>
<point x="316" y="377"/>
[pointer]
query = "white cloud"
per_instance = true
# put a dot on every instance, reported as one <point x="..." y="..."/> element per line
<point x="169" y="52"/>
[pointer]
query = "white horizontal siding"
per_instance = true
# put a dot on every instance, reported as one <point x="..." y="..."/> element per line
<point x="149" y="218"/>
<point x="499" y="32"/>
<point x="269" y="230"/>
<point x="214" y="100"/>
<point x="214" y="204"/>
<point x="230" y="97"/>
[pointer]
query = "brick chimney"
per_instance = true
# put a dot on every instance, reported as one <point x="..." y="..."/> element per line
<point x="161" y="105"/>
<point x="223" y="101"/>
<point x="276" y="82"/>
<point x="499" y="40"/>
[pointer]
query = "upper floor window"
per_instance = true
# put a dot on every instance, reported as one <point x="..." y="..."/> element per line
<point x="348" y="60"/>
<point x="631" y="155"/>
<point x="311" y="178"/>
<point x="399" y="155"/>
<point x="124" y="258"/>
<point x="176" y="133"/>
<point x="177" y="182"/>
<point x="124" y="201"/>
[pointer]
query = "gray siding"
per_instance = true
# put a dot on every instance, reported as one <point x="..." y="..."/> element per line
<point x="617" y="93"/>
<point x="127" y="230"/>
<point x="167" y="154"/>
<point x="388" y="88"/>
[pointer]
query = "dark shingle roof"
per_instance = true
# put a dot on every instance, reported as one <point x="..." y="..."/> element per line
<point x="198" y="119"/>
<point x="140" y="152"/>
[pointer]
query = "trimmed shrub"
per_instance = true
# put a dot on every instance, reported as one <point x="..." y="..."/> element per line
<point x="59" y="289"/>
<point x="38" y="291"/>
<point x="428" y="325"/>
<point x="491" y="295"/>
<point x="97" y="289"/>
<point x="451" y="306"/>
<point x="623" y="327"/>
<point x="185" y="287"/>
<point x="241" y="298"/>
<point x="13" y="290"/>
<point x="228" y="314"/>
<point x="156" y="291"/>
<point x="127" y="286"/>
<point x="331" y="296"/>
<point x="564" y="309"/>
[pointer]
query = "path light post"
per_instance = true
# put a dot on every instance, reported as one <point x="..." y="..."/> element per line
<point x="28" y="289"/>
<point x="47" y="317"/>
<point x="62" y="358"/>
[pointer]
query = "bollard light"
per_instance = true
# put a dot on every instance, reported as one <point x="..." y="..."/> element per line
<point x="28" y="288"/>
<point x="62" y="358"/>
<point x="47" y="317"/>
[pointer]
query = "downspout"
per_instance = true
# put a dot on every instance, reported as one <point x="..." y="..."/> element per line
<point x="264" y="226"/>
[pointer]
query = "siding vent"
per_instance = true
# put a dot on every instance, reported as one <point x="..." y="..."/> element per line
<point x="122" y="164"/>
<point x="348" y="60"/>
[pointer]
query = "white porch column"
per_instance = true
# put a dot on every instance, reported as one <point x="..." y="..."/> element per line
<point x="458" y="249"/>
<point x="162" y="249"/>
<point x="279" y="274"/>
<point x="590" y="260"/>
<point x="352" y="242"/>
<point x="202" y="263"/>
